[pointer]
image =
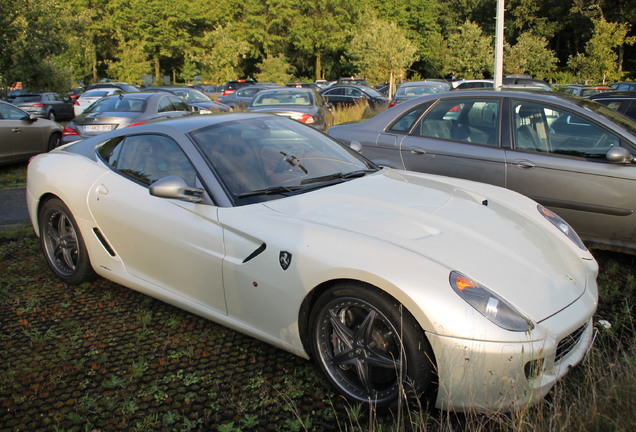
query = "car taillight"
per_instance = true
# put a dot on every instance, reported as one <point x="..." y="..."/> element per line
<point x="76" y="102"/>
<point x="227" y="92"/>
<point x="38" y="105"/>
<point x="137" y="124"/>
<point x="307" y="118"/>
<point x="392" y="104"/>
<point x="69" y="131"/>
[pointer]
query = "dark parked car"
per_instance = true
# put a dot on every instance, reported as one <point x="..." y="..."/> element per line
<point x="12" y="94"/>
<point x="413" y="89"/>
<point x="302" y="104"/>
<point x="624" y="86"/>
<point x="49" y="105"/>
<point x="234" y="85"/>
<point x="241" y="98"/>
<point x="347" y="95"/>
<point x="23" y="135"/>
<point x="584" y="90"/>
<point x="122" y="110"/>
<point x="353" y="81"/>
<point x="198" y="101"/>
<point x="622" y="102"/>
<point x="571" y="154"/>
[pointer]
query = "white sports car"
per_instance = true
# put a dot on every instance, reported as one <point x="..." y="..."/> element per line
<point x="395" y="283"/>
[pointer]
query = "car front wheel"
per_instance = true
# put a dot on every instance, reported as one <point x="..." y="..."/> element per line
<point x="370" y="347"/>
<point x="62" y="243"/>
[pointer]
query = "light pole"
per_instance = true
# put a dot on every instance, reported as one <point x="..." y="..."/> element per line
<point x="499" y="44"/>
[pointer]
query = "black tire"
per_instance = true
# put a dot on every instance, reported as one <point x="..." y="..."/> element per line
<point x="370" y="347"/>
<point x="54" y="141"/>
<point x="62" y="243"/>
<point x="51" y="116"/>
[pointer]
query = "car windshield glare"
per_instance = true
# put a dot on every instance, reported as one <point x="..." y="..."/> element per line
<point x="117" y="104"/>
<point x="273" y="153"/>
<point x="625" y="122"/>
<point x="282" y="98"/>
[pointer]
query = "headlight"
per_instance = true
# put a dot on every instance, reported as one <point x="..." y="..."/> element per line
<point x="562" y="225"/>
<point x="489" y="304"/>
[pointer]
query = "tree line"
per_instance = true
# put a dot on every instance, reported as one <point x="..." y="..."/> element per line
<point x="55" y="44"/>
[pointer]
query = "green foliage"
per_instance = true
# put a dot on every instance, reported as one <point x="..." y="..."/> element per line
<point x="468" y="52"/>
<point x="274" y="69"/>
<point x="600" y="61"/>
<point x="381" y="49"/>
<point x="530" y="55"/>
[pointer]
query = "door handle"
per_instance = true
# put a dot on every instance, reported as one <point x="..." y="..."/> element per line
<point x="16" y="130"/>
<point x="417" y="152"/>
<point x="525" y="164"/>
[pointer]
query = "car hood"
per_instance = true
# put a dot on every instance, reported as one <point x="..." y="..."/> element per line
<point x="488" y="233"/>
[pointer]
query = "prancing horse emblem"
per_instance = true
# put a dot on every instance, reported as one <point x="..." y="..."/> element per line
<point x="284" y="259"/>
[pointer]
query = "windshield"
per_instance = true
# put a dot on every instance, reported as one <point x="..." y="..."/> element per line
<point x="117" y="104"/>
<point x="95" y="93"/>
<point x="282" y="97"/>
<point x="191" y="95"/>
<point x="25" y="99"/>
<point x="371" y="92"/>
<point x="418" y="90"/>
<point x="263" y="157"/>
<point x="600" y="109"/>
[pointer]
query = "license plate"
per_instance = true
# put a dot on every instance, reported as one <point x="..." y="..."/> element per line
<point x="98" y="128"/>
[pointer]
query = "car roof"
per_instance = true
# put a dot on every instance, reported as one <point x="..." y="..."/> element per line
<point x="615" y="95"/>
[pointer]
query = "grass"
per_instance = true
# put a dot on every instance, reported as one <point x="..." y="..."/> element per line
<point x="103" y="357"/>
<point x="13" y="176"/>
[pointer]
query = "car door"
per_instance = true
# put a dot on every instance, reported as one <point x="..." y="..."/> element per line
<point x="177" y="246"/>
<point x="335" y="96"/>
<point x="458" y="137"/>
<point x="20" y="137"/>
<point x="561" y="163"/>
<point x="170" y="106"/>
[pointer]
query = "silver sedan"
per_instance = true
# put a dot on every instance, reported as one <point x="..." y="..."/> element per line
<point x="570" y="154"/>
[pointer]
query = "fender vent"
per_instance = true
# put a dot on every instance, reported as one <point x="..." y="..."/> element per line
<point x="103" y="241"/>
<point x="257" y="252"/>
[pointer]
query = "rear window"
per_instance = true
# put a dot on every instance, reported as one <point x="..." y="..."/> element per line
<point x="24" y="99"/>
<point x="117" y="104"/>
<point x="95" y="93"/>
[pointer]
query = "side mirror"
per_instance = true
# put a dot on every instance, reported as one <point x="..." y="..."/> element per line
<point x="175" y="187"/>
<point x="619" y="155"/>
<point x="356" y="146"/>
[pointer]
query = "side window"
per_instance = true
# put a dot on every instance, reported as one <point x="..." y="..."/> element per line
<point x="466" y="120"/>
<point x="547" y="129"/>
<point x="7" y="112"/>
<point x="147" y="158"/>
<point x="334" y="92"/>
<point x="405" y="123"/>
<point x="178" y="104"/>
<point x="164" y="105"/>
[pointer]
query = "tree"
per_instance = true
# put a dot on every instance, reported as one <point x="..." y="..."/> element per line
<point x="321" y="29"/>
<point x="218" y="54"/>
<point x="469" y="53"/>
<point x="29" y="42"/>
<point x="381" y="50"/>
<point x="274" y="69"/>
<point x="530" y="55"/>
<point x="600" y="61"/>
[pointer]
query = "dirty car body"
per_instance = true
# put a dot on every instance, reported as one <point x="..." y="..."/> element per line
<point x="395" y="283"/>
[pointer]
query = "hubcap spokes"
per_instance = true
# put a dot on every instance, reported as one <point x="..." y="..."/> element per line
<point x="358" y="348"/>
<point x="63" y="242"/>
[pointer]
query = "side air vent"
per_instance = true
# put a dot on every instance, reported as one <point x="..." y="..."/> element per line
<point x="103" y="241"/>
<point x="256" y="253"/>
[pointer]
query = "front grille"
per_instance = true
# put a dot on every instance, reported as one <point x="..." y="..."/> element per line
<point x="568" y="343"/>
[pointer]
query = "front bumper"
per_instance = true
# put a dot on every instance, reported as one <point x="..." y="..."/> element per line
<point x="487" y="376"/>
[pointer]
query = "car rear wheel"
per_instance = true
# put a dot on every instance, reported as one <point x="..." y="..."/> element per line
<point x="51" y="116"/>
<point x="62" y="243"/>
<point x="370" y="347"/>
<point x="54" y="141"/>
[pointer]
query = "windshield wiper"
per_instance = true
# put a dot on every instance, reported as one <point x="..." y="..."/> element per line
<point x="338" y="176"/>
<point x="274" y="190"/>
